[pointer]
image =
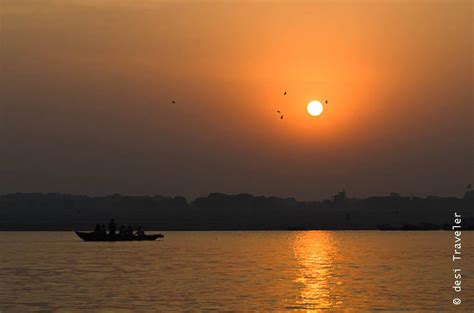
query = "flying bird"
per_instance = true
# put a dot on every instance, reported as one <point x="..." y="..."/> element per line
<point x="281" y="117"/>
<point x="173" y="101"/>
<point x="279" y="112"/>
<point x="468" y="186"/>
<point x="284" y="93"/>
<point x="326" y="101"/>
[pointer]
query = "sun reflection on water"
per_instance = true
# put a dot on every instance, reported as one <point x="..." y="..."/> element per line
<point x="315" y="254"/>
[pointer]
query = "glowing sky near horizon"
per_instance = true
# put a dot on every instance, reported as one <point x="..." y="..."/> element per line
<point x="86" y="90"/>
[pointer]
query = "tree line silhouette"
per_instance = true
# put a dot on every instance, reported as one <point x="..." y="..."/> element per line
<point x="218" y="211"/>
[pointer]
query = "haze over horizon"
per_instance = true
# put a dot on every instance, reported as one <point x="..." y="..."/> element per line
<point x="86" y="90"/>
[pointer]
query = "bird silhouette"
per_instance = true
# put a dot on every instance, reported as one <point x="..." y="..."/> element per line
<point x="326" y="101"/>
<point x="278" y="112"/>
<point x="281" y="117"/>
<point x="173" y="101"/>
<point x="284" y="93"/>
<point x="468" y="186"/>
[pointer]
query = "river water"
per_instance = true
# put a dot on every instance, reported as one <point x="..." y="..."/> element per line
<point x="353" y="271"/>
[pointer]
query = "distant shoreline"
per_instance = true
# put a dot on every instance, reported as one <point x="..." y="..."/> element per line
<point x="239" y="230"/>
<point x="238" y="212"/>
<point x="196" y="230"/>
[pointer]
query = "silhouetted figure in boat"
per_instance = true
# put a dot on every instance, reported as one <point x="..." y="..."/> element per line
<point x="140" y="232"/>
<point x="122" y="232"/>
<point x="129" y="231"/>
<point x="112" y="227"/>
<point x="97" y="229"/>
<point x="103" y="231"/>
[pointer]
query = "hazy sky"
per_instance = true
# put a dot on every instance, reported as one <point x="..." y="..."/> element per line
<point x="86" y="89"/>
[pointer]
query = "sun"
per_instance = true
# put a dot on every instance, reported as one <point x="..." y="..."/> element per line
<point x="315" y="108"/>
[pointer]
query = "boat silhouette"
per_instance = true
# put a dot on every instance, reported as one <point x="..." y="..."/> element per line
<point x="93" y="236"/>
<point x="422" y="226"/>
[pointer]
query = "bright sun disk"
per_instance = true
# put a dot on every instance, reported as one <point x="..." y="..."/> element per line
<point x="314" y="108"/>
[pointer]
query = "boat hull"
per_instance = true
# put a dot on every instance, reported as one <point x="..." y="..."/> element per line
<point x="91" y="236"/>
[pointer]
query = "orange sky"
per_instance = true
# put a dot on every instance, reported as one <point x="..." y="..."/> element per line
<point x="86" y="89"/>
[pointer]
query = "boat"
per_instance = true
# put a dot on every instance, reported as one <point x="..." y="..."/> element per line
<point x="388" y="227"/>
<point x="422" y="226"/>
<point x="296" y="228"/>
<point x="92" y="236"/>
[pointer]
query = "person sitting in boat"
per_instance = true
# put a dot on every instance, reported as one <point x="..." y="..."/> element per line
<point x="140" y="232"/>
<point x="129" y="232"/>
<point x="97" y="229"/>
<point x="112" y="227"/>
<point x="122" y="232"/>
